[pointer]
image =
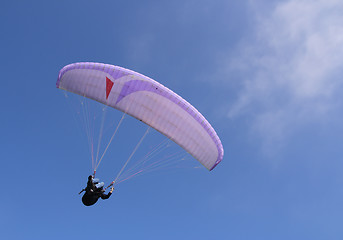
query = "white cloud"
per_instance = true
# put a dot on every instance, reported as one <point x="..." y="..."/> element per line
<point x="291" y="67"/>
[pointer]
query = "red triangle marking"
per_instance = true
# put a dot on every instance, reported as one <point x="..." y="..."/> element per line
<point x="109" y="85"/>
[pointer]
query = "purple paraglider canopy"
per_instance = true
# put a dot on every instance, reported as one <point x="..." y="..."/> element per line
<point x="147" y="101"/>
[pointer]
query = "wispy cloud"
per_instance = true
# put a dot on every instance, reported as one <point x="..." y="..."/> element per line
<point x="292" y="67"/>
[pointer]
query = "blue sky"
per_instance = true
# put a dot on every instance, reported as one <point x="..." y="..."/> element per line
<point x="266" y="75"/>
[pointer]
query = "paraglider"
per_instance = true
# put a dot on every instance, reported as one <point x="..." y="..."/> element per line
<point x="94" y="191"/>
<point x="148" y="101"/>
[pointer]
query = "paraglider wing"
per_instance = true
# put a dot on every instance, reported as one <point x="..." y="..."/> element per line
<point x="147" y="101"/>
